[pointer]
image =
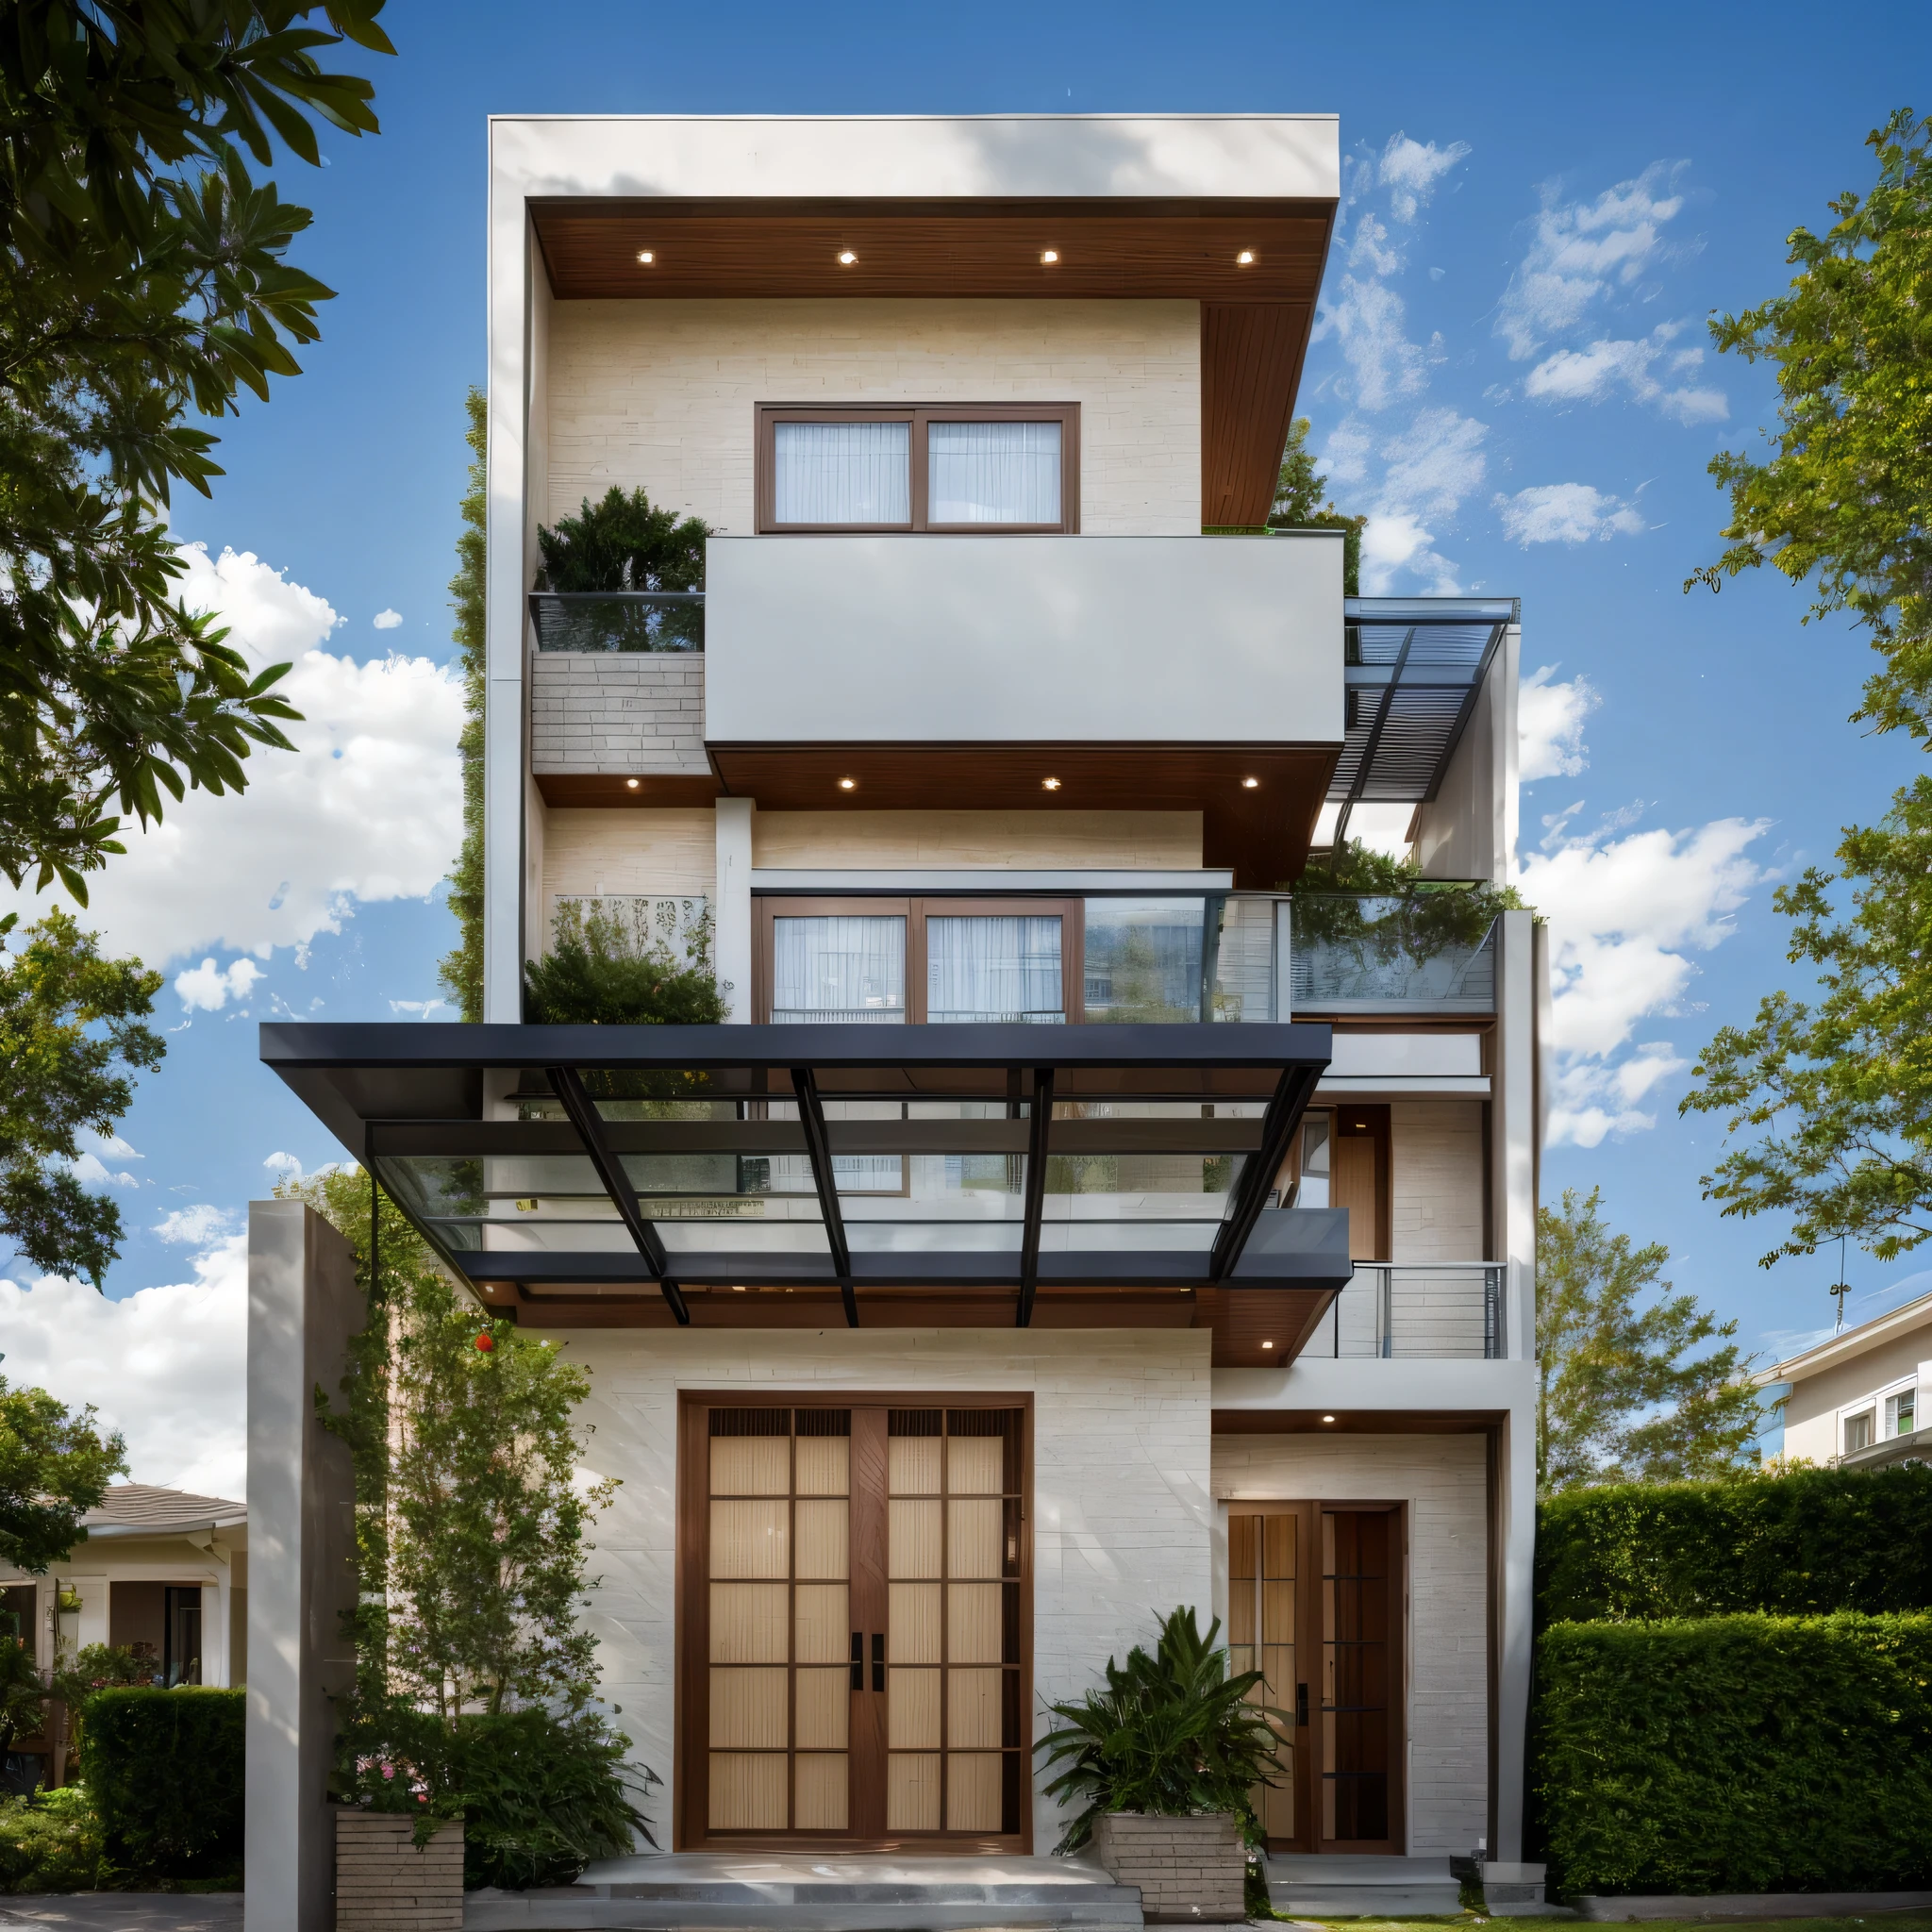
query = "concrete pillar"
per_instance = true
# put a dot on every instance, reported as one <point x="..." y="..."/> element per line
<point x="732" y="934"/>
<point x="303" y="1307"/>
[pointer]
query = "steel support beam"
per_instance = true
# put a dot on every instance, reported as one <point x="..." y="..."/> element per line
<point x="1040" y="1124"/>
<point x="1292" y="1094"/>
<point x="811" y="1115"/>
<point x="568" y="1085"/>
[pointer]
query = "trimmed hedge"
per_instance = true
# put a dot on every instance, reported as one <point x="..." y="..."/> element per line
<point x="164" y="1769"/>
<point x="1810" y="1544"/>
<point x="1734" y="1754"/>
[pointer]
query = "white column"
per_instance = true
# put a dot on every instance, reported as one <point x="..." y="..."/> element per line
<point x="303" y="1307"/>
<point x="732" y="937"/>
<point x="1515" y="1531"/>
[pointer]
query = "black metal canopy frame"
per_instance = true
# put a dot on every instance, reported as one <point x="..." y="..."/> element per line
<point x="707" y="1157"/>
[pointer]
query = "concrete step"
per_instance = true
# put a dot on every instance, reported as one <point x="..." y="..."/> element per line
<point x="711" y="1892"/>
<point x="1346" y="1885"/>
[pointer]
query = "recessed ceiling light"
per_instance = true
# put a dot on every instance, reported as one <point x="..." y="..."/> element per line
<point x="646" y="257"/>
<point x="846" y="258"/>
<point x="1267" y="1345"/>
<point x="1249" y="783"/>
<point x="1049" y="255"/>
<point x="631" y="784"/>
<point x="1327" y="1418"/>
<point x="1049" y="784"/>
<point x="1247" y="258"/>
<point x="848" y="784"/>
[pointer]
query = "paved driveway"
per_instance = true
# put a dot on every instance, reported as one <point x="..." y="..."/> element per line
<point x="124" y="1911"/>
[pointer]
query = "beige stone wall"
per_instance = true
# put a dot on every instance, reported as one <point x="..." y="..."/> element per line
<point x="1436" y="1180"/>
<point x="662" y="394"/>
<point x="1024" y="841"/>
<point x="616" y="852"/>
<point x="1443" y="1479"/>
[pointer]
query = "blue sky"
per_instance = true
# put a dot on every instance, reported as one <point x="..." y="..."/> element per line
<point x="1544" y="205"/>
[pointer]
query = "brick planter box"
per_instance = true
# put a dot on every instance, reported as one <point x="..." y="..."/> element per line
<point x="387" y="1883"/>
<point x="1190" y="1870"/>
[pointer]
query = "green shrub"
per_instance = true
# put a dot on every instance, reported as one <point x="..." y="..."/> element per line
<point x="597" y="974"/>
<point x="1734" y="1754"/>
<point x="1803" y="1544"/>
<point x="165" y="1771"/>
<point x="541" y="1796"/>
<point x="50" y="1841"/>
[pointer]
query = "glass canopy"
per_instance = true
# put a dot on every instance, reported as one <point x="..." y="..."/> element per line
<point x="852" y="1163"/>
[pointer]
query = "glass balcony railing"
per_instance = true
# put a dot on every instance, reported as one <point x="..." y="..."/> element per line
<point x="1427" y="953"/>
<point x="617" y="619"/>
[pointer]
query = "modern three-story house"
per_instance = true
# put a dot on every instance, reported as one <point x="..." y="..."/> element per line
<point x="1073" y="1222"/>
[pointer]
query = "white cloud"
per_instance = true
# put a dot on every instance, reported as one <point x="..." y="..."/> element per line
<point x="1581" y="250"/>
<point x="387" y="620"/>
<point x="1566" y="513"/>
<point x="1625" y="915"/>
<point x="421" y="1009"/>
<point x="1410" y="169"/>
<point x="207" y="989"/>
<point x="98" y="1142"/>
<point x="1369" y="321"/>
<point x="1549" y="725"/>
<point x="367" y="809"/>
<point x="199" y="1227"/>
<point x="283" y="1164"/>
<point x="92" y="1172"/>
<point x="1428" y="471"/>
<point x="1593" y="374"/>
<point x="166" y="1366"/>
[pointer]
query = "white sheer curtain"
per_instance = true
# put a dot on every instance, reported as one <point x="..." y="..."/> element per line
<point x="842" y="473"/>
<point x="993" y="967"/>
<point x="840" y="968"/>
<point x="994" y="472"/>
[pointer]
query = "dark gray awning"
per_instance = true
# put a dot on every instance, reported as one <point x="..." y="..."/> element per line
<point x="682" y="1163"/>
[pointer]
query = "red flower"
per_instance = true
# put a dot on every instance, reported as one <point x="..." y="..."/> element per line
<point x="486" y="1342"/>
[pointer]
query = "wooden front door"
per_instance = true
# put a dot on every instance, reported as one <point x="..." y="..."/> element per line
<point x="1315" y="1598"/>
<point x="854" y="1624"/>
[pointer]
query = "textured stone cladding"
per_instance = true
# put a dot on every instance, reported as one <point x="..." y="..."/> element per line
<point x="627" y="712"/>
<point x="1190" y="1870"/>
<point x="1443" y="1479"/>
<point x="663" y="394"/>
<point x="1122" y="1521"/>
<point x="387" y="1883"/>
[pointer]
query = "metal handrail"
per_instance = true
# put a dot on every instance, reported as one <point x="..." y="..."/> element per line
<point x="1458" y="1332"/>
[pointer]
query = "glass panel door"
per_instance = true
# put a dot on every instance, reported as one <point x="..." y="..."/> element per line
<point x="996" y="967"/>
<point x="839" y="967"/>
<point x="1262" y="1560"/>
<point x="1356" y="1676"/>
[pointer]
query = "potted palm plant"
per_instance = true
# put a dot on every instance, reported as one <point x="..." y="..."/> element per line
<point x="1166" y="1758"/>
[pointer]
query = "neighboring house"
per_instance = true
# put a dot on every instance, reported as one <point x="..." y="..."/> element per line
<point x="159" y="1568"/>
<point x="1854" y="1399"/>
<point x="1072" y="1222"/>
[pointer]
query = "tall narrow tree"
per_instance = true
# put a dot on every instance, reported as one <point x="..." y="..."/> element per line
<point x="461" y="971"/>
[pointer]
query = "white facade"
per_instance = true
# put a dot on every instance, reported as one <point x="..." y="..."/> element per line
<point x="1859" y="1396"/>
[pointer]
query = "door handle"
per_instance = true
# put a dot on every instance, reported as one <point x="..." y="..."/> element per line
<point x="878" y="1660"/>
<point x="1301" y="1704"/>
<point x="857" y="1661"/>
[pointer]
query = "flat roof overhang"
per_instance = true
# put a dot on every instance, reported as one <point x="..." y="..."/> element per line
<point x="661" y="1140"/>
<point x="1254" y="264"/>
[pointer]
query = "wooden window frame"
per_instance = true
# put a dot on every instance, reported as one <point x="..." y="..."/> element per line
<point x="916" y="910"/>
<point x="1308" y="1838"/>
<point x="919" y="417"/>
<point x="691" y="1700"/>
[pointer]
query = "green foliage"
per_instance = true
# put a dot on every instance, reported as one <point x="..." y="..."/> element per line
<point x="1740" y="1753"/>
<point x="1385" y="909"/>
<point x="540" y="1795"/>
<point x="1172" y="1733"/>
<point x="72" y="1029"/>
<point x="1844" y="500"/>
<point x="22" y="1692"/>
<point x="146" y="284"/>
<point x="164" y="1769"/>
<point x="1839" y="1093"/>
<point x="95" y="1666"/>
<point x="473" y="1676"/>
<point x="461" y="970"/>
<point x="1801" y="1543"/>
<point x="54" y="1466"/>
<point x="1617" y="1400"/>
<point x="597" y="974"/>
<point x="621" y="543"/>
<point x="50" y="1841"/>
<point x="1300" y="504"/>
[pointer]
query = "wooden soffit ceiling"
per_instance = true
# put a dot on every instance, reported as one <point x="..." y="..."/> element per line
<point x="1256" y="316"/>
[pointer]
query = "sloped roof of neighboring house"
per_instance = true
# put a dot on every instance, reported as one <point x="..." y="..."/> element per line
<point x="1852" y="1343"/>
<point x="144" y="1510"/>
